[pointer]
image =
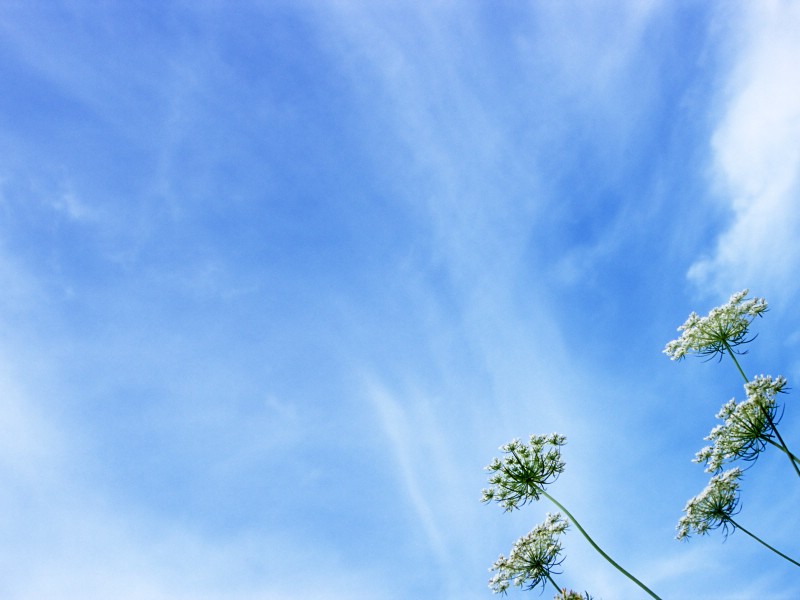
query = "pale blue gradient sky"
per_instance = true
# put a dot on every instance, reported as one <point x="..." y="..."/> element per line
<point x="279" y="278"/>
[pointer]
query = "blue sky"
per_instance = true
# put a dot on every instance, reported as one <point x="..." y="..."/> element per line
<point x="280" y="277"/>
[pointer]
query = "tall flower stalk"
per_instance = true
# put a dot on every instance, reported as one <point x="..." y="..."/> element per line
<point x="521" y="476"/>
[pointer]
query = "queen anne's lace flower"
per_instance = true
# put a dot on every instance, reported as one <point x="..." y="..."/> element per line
<point x="713" y="507"/>
<point x="525" y="470"/>
<point x="566" y="594"/>
<point x="724" y="328"/>
<point x="532" y="558"/>
<point x="765" y="387"/>
<point x="748" y="426"/>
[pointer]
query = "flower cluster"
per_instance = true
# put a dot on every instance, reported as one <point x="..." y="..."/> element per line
<point x="724" y="328"/>
<point x="525" y="470"/>
<point x="532" y="559"/>
<point x="748" y="425"/>
<point x="713" y="507"/>
<point x="572" y="595"/>
<point x="764" y="387"/>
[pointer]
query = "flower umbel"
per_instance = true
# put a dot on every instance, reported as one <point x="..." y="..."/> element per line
<point x="532" y="558"/>
<point x="748" y="426"/>
<point x="572" y="595"/>
<point x="713" y="507"/>
<point x="525" y="470"/>
<point x="724" y="328"/>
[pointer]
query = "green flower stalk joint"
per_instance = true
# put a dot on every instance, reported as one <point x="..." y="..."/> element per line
<point x="533" y="558"/>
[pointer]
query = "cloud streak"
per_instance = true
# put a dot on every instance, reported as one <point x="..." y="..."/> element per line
<point x="756" y="157"/>
<point x="66" y="537"/>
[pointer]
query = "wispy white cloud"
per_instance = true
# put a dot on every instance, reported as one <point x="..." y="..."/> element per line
<point x="80" y="548"/>
<point x="30" y="443"/>
<point x="757" y="157"/>
<point x="19" y="287"/>
<point x="66" y="538"/>
<point x="463" y="115"/>
<point x="410" y="445"/>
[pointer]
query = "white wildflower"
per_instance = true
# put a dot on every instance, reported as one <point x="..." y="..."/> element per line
<point x="748" y="425"/>
<point x="724" y="328"/>
<point x="525" y="470"/>
<point x="532" y="558"/>
<point x="713" y="507"/>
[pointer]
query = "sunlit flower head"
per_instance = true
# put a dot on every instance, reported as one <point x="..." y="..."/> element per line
<point x="748" y="425"/>
<point x="713" y="507"/>
<point x="724" y="328"/>
<point x="522" y="474"/>
<point x="532" y="558"/>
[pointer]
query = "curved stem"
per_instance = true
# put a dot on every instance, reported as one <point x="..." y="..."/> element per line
<point x="600" y="550"/>
<point x="760" y="541"/>
<point x="792" y="458"/>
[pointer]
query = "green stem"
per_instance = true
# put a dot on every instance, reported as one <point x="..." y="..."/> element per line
<point x="760" y="541"/>
<point x="768" y="440"/>
<point x="555" y="585"/>
<point x="736" y="362"/>
<point x="600" y="550"/>
<point x="784" y="450"/>
<point x="792" y="458"/>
